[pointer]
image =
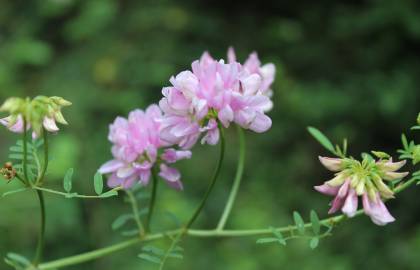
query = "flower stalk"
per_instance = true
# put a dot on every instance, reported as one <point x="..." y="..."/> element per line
<point x="236" y="181"/>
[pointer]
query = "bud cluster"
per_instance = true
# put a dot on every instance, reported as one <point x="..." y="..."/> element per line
<point x="8" y="171"/>
<point x="38" y="113"/>
<point x="364" y="178"/>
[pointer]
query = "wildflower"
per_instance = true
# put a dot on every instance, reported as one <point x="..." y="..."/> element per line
<point x="39" y="113"/>
<point x="214" y="91"/>
<point x="136" y="145"/>
<point x="366" y="179"/>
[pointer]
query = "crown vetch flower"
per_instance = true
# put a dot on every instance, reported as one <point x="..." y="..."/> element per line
<point x="366" y="179"/>
<point x="136" y="144"/>
<point x="40" y="112"/>
<point x="215" y="90"/>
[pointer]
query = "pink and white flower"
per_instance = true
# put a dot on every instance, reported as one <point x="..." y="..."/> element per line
<point x="136" y="144"/>
<point x="365" y="179"/>
<point x="215" y="91"/>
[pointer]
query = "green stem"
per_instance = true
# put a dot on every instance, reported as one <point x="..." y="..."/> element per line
<point x="135" y="210"/>
<point x="152" y="199"/>
<point x="46" y="159"/>
<point x="25" y="152"/>
<point x="40" y="246"/>
<point x="74" y="195"/>
<point x="236" y="181"/>
<point x="88" y="256"/>
<point x="212" y="182"/>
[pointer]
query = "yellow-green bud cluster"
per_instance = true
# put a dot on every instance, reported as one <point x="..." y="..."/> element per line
<point x="368" y="176"/>
<point x="33" y="111"/>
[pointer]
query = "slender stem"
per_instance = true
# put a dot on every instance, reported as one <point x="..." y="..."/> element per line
<point x="152" y="199"/>
<point x="212" y="182"/>
<point x="236" y="181"/>
<point x="88" y="256"/>
<point x="46" y="159"/>
<point x="135" y="209"/>
<point x="25" y="152"/>
<point x="74" y="195"/>
<point x="40" y="246"/>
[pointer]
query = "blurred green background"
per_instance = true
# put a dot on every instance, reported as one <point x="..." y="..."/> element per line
<point x="351" y="68"/>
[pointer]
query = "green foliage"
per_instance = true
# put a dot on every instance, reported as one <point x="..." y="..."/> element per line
<point x="68" y="179"/>
<point x="98" y="183"/>
<point x="33" y="165"/>
<point x="18" y="261"/>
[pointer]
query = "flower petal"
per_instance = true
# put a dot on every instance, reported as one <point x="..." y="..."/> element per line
<point x="111" y="166"/>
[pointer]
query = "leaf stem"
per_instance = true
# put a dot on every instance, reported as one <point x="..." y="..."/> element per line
<point x="75" y="195"/>
<point x="212" y="182"/>
<point x="25" y="152"/>
<point x="135" y="209"/>
<point x="40" y="245"/>
<point x="152" y="201"/>
<point x="46" y="159"/>
<point x="236" y="181"/>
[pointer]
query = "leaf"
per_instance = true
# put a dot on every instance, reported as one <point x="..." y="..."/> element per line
<point x="14" y="191"/>
<point x="279" y="236"/>
<point x="267" y="240"/>
<point x="314" y="243"/>
<point x="130" y="233"/>
<point x="322" y="139"/>
<point x="68" y="177"/>
<point x="381" y="155"/>
<point x="176" y="255"/>
<point x="150" y="258"/>
<point x="20" y="157"/>
<point x="299" y="222"/>
<point x="121" y="221"/>
<point x="316" y="226"/>
<point x="108" y="194"/>
<point x="18" y="259"/>
<point x="404" y="141"/>
<point x="154" y="250"/>
<point x="98" y="183"/>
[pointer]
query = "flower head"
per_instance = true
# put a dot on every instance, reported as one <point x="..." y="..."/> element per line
<point x="366" y="179"/>
<point x="136" y="149"/>
<point x="215" y="91"/>
<point x="39" y="113"/>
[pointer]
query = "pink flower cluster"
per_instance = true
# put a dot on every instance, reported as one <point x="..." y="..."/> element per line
<point x="136" y="143"/>
<point x="215" y="91"/>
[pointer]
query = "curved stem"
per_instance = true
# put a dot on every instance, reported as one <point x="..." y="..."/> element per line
<point x="236" y="181"/>
<point x="152" y="199"/>
<point x="135" y="209"/>
<point x="212" y="182"/>
<point x="40" y="246"/>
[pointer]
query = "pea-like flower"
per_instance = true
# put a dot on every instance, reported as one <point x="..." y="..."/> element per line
<point x="366" y="179"/>
<point x="40" y="112"/>
<point x="215" y="91"/>
<point x="136" y="149"/>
